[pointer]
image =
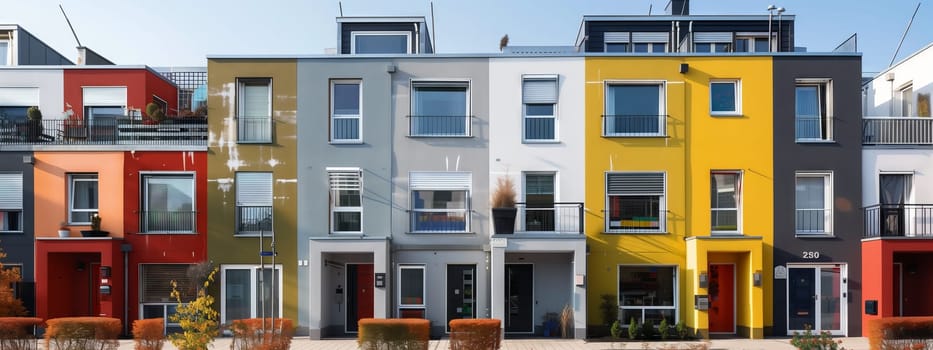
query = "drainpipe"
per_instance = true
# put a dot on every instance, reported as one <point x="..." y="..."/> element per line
<point x="690" y="34"/>
<point x="126" y="249"/>
<point x="673" y="38"/>
<point x="677" y="38"/>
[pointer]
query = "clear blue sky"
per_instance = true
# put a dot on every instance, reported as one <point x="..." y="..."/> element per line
<point x="183" y="32"/>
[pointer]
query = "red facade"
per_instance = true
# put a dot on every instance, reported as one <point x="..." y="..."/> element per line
<point x="141" y="85"/>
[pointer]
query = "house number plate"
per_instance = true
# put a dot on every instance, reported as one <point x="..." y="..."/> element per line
<point x="811" y="255"/>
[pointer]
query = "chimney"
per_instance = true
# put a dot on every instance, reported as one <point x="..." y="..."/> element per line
<point x="679" y="7"/>
<point x="87" y="56"/>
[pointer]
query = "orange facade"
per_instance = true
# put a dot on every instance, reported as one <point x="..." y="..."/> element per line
<point x="52" y="171"/>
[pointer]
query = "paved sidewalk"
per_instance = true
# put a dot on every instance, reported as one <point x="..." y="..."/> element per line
<point x="303" y="343"/>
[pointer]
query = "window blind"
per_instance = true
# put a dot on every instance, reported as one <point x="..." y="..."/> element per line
<point x="635" y="183"/>
<point x="255" y="99"/>
<point x="345" y="180"/>
<point x="616" y="37"/>
<point x="539" y="89"/>
<point x="254" y="189"/>
<point x="712" y="37"/>
<point x="104" y="96"/>
<point x="19" y="96"/>
<point x="650" y="37"/>
<point x="11" y="191"/>
<point x="433" y="180"/>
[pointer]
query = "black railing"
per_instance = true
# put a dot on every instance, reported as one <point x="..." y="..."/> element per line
<point x="106" y="131"/>
<point x="634" y="125"/>
<point x="899" y="220"/>
<point x="562" y="218"/>
<point x="897" y="131"/>
<point x="253" y="219"/>
<point x="254" y="129"/>
<point x="167" y="221"/>
<point x="439" y="125"/>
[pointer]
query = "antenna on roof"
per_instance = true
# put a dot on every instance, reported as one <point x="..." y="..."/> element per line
<point x="649" y="9"/>
<point x="69" y="25"/>
<point x="905" y="34"/>
<point x="433" y="33"/>
<point x="340" y="7"/>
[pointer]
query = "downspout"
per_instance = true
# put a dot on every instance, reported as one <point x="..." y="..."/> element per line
<point x="677" y="38"/>
<point x="126" y="249"/>
<point x="690" y="34"/>
<point x="674" y="37"/>
<point x="417" y="38"/>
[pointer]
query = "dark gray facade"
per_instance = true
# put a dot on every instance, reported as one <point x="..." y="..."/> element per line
<point x="683" y="26"/>
<point x="33" y="51"/>
<point x="419" y="34"/>
<point x="840" y="157"/>
<point x="20" y="246"/>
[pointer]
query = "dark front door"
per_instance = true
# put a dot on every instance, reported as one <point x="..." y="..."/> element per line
<point x="461" y="289"/>
<point x="359" y="294"/>
<point x="801" y="303"/>
<point x="519" y="298"/>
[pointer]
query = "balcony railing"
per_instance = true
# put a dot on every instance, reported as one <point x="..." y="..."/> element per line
<point x="439" y="125"/>
<point x="634" y="125"/>
<point x="897" y="131"/>
<point x="814" y="221"/>
<point x="167" y="221"/>
<point x="560" y="218"/>
<point x="440" y="220"/>
<point x="253" y="219"/>
<point x="899" y="220"/>
<point x="110" y="131"/>
<point x="254" y="129"/>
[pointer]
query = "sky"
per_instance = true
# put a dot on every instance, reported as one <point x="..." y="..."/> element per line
<point x="181" y="33"/>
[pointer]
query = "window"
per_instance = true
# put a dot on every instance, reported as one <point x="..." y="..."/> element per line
<point x="380" y="42"/>
<point x="650" y="42"/>
<point x="155" y="291"/>
<point x="254" y="203"/>
<point x="725" y="201"/>
<point x="634" y="109"/>
<point x="635" y="202"/>
<point x="616" y="41"/>
<point x="346" y="199"/>
<point x="712" y="42"/>
<point x="82" y="199"/>
<point x="539" y="97"/>
<point x="345" y="123"/>
<point x="440" y="109"/>
<point x="254" y="110"/>
<point x="6" y="57"/>
<point x="814" y="193"/>
<point x="648" y="292"/>
<point x="161" y="103"/>
<point x="250" y="292"/>
<point x="906" y="96"/>
<point x="168" y="203"/>
<point x="813" y="111"/>
<point x="11" y="202"/>
<point x="725" y="97"/>
<point x="411" y="290"/>
<point x="14" y="101"/>
<point x="711" y="47"/>
<point x="538" y="213"/>
<point x="440" y="201"/>
<point x="752" y="43"/>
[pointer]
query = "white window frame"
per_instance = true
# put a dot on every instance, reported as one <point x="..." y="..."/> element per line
<point x="905" y="95"/>
<point x="355" y="34"/>
<point x="624" y="38"/>
<point x="238" y="205"/>
<point x="826" y="120"/>
<point x="425" y="184"/>
<point x="241" y="82"/>
<point x="424" y="289"/>
<point x="15" y="191"/>
<point x="675" y="307"/>
<point x="144" y="207"/>
<point x="165" y="304"/>
<point x="828" y="208"/>
<point x="750" y="39"/>
<point x="650" y="47"/>
<point x="740" y="189"/>
<point x="9" y="52"/>
<point x="81" y="177"/>
<point x="334" y="116"/>
<point x="554" y="110"/>
<point x="334" y="209"/>
<point x="736" y="94"/>
<point x="662" y="204"/>
<point x="662" y="107"/>
<point x="254" y="281"/>
<point x="468" y="84"/>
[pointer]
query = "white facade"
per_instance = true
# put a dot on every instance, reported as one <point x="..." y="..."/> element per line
<point x="902" y="85"/>
<point x="50" y="83"/>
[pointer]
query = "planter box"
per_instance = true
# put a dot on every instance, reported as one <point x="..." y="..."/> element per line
<point x="503" y="220"/>
<point x="94" y="233"/>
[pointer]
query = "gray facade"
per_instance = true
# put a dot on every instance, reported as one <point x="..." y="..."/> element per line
<point x="20" y="246"/>
<point x="840" y="157"/>
<point x="33" y="51"/>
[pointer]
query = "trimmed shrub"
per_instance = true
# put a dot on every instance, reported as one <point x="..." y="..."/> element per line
<point x="682" y="331"/>
<point x="647" y="330"/>
<point x="16" y="333"/>
<point x="664" y="329"/>
<point x="393" y="333"/>
<point x="248" y="334"/>
<point x="900" y="333"/>
<point x="633" y="329"/>
<point x="149" y="334"/>
<point x="82" y="333"/>
<point x="616" y="330"/>
<point x="809" y="341"/>
<point x="475" y="334"/>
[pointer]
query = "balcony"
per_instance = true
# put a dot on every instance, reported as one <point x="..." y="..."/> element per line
<point x="899" y="220"/>
<point x="634" y="125"/>
<point x="110" y="131"/>
<point x="897" y="131"/>
<point x="252" y="129"/>
<point x="439" y="126"/>
<point x="167" y="221"/>
<point x="253" y="220"/>
<point x="561" y="218"/>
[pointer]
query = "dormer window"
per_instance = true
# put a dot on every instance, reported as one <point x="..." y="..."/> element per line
<point x="380" y="42"/>
<point x="6" y="58"/>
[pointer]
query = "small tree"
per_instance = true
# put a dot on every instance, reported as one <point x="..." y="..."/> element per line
<point x="197" y="318"/>
<point x="633" y="329"/>
<point x="616" y="330"/>
<point x="9" y="304"/>
<point x="664" y="329"/>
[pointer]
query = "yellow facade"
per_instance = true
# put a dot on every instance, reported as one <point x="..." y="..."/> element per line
<point x="695" y="144"/>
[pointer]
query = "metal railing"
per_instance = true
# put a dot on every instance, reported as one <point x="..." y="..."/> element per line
<point x="254" y="129"/>
<point x="440" y="220"/>
<point x="559" y="218"/>
<point x="439" y="125"/>
<point x="253" y="219"/>
<point x="810" y="128"/>
<point x="109" y="131"/>
<point x="813" y="221"/>
<point x="897" y="131"/>
<point x="167" y="221"/>
<point x="634" y="125"/>
<point x="899" y="220"/>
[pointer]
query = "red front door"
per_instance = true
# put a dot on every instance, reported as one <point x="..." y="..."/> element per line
<point x="364" y="291"/>
<point x="721" y="298"/>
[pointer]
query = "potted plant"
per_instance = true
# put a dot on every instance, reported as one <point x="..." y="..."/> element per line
<point x="63" y="230"/>
<point x="154" y="113"/>
<point x="95" y="230"/>
<point x="503" y="206"/>
<point x="33" y="124"/>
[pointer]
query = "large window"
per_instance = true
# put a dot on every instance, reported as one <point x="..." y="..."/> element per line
<point x="617" y="41"/>
<point x="346" y="124"/>
<point x="539" y="99"/>
<point x="725" y="97"/>
<point x="103" y="107"/>
<point x="411" y="291"/>
<point x="635" y="202"/>
<point x="538" y="214"/>
<point x="648" y="292"/>
<point x="11" y="202"/>
<point x="634" y="109"/>
<point x="906" y="97"/>
<point x="346" y="187"/>
<point x="155" y="291"/>
<point x="814" y="121"/>
<point x="380" y="42"/>
<point x="82" y="198"/>
<point x="748" y="43"/>
<point x="254" y="110"/>
<point x="14" y="101"/>
<point x="725" y="201"/>
<point x="712" y="42"/>
<point x="168" y="203"/>
<point x="440" y="201"/>
<point x="639" y="42"/>
<point x="814" y="193"/>
<point x="250" y="292"/>
<point x="440" y="109"/>
<point x="254" y="203"/>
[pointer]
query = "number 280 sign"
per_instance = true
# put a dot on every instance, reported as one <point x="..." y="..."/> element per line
<point x="810" y="255"/>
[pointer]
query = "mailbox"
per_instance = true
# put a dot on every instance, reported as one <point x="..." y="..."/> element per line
<point x="701" y="302"/>
<point x="380" y="280"/>
<point x="871" y="307"/>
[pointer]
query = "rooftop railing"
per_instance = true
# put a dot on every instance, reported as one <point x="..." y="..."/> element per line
<point x="108" y="131"/>
<point x="897" y="131"/>
<point x="899" y="220"/>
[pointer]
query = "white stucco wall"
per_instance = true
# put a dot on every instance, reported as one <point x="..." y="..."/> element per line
<point x="50" y="83"/>
<point x="915" y="69"/>
<point x="918" y="162"/>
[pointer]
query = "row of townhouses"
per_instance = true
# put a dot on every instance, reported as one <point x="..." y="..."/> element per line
<point x="682" y="167"/>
